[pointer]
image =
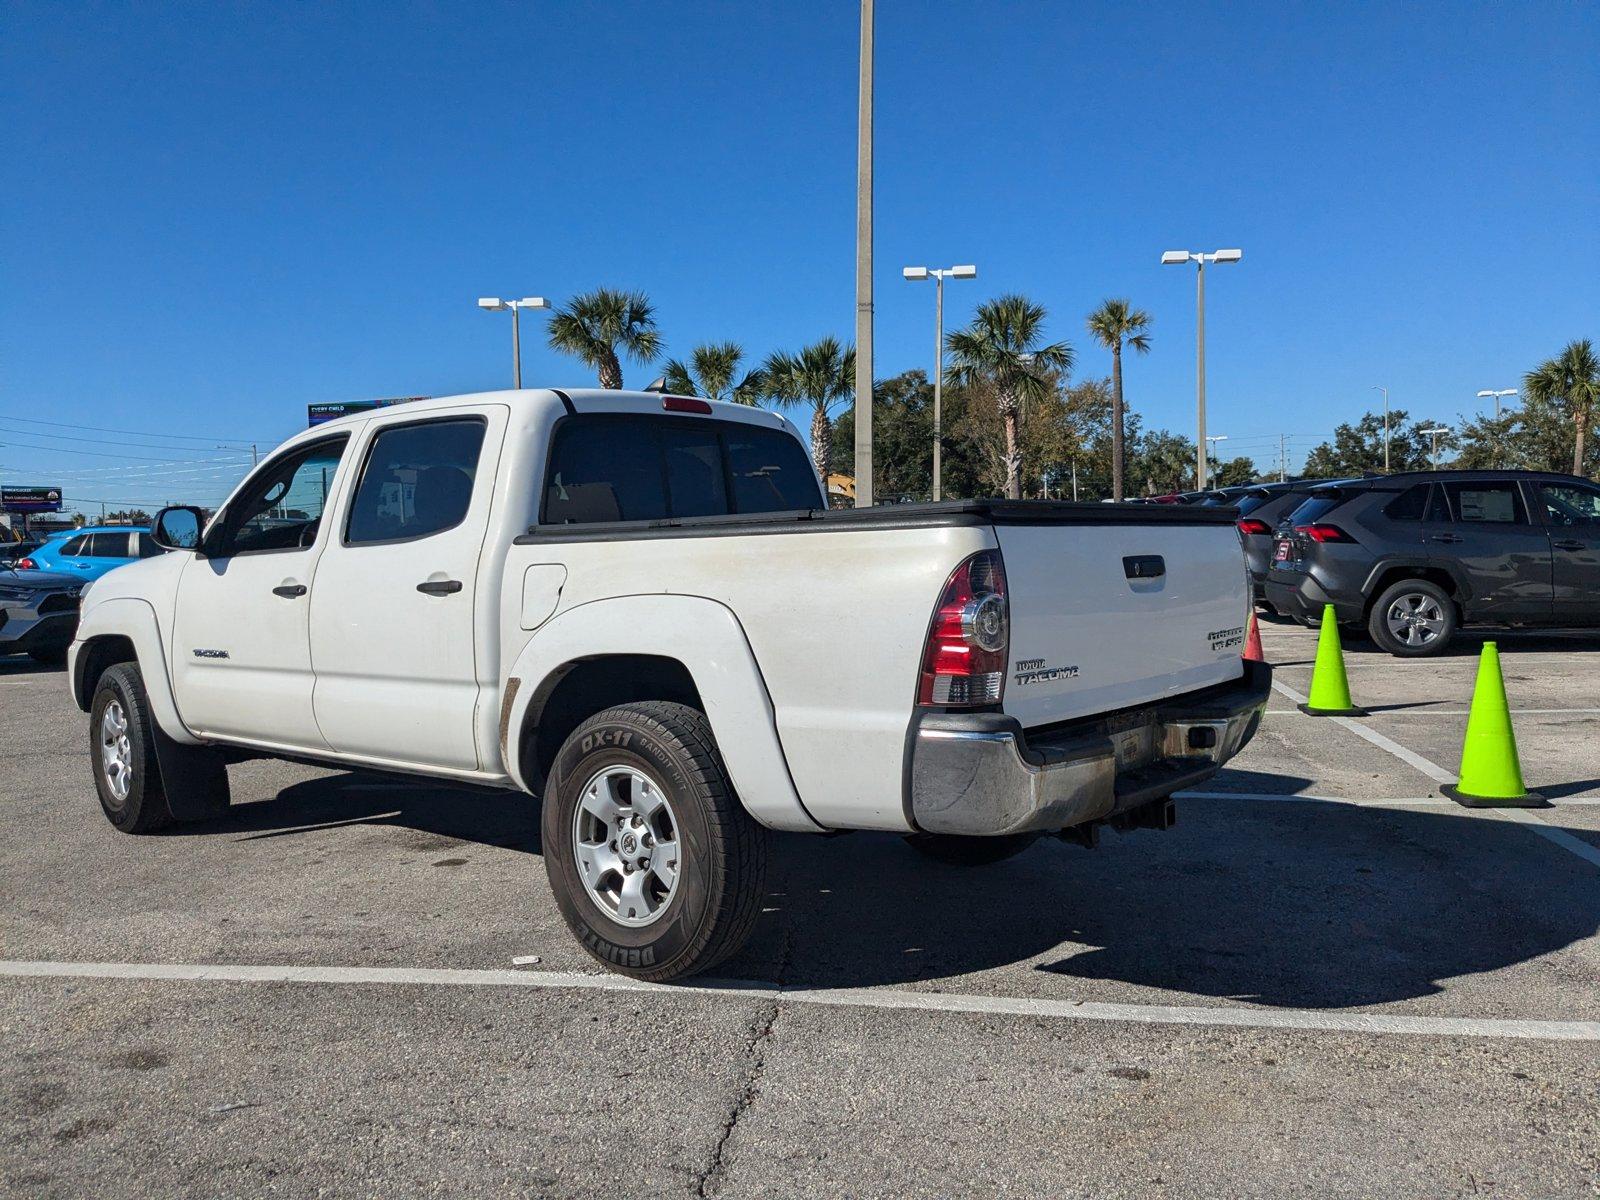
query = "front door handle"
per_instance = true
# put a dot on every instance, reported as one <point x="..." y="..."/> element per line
<point x="1569" y="544"/>
<point x="290" y="591"/>
<point x="439" y="587"/>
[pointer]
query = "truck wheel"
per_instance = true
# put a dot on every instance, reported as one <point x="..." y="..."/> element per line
<point x="122" y="749"/>
<point x="1412" y="618"/>
<point x="970" y="851"/>
<point x="655" y="864"/>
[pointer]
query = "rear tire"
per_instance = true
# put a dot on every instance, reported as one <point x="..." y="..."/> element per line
<point x="656" y="866"/>
<point x="958" y="851"/>
<point x="1412" y="619"/>
<point x="123" y="753"/>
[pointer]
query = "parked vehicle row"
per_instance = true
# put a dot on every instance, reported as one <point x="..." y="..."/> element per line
<point x="38" y="613"/>
<point x="639" y="608"/>
<point x="1412" y="558"/>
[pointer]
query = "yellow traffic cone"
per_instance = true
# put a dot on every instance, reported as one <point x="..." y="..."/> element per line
<point x="1491" y="776"/>
<point x="1330" y="690"/>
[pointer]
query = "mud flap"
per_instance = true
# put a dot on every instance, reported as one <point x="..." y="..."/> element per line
<point x="194" y="779"/>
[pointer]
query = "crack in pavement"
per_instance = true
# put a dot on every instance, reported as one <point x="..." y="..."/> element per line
<point x="755" y="1053"/>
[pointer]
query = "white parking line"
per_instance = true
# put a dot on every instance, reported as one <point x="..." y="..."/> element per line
<point x="884" y="998"/>
<point x="1422" y="711"/>
<point x="1366" y="801"/>
<point x="1520" y="816"/>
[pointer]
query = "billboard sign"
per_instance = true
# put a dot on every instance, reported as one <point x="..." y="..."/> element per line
<point x="316" y="414"/>
<point x="30" y="499"/>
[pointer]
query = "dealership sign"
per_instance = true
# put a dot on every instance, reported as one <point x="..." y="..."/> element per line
<point x="30" y="499"/>
<point x="316" y="414"/>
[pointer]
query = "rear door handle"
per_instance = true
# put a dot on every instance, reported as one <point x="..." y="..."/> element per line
<point x="290" y="591"/>
<point x="1448" y="538"/>
<point x="439" y="587"/>
<point x="1568" y="544"/>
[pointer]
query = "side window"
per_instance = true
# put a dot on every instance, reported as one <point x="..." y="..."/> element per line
<point x="105" y="545"/>
<point x="1569" y="504"/>
<point x="604" y="469"/>
<point x="74" y="546"/>
<point x="417" y="481"/>
<point x="1487" y="503"/>
<point x="769" y="470"/>
<point x="1438" y="507"/>
<point x="281" y="505"/>
<point x="148" y="547"/>
<point x="1409" y="505"/>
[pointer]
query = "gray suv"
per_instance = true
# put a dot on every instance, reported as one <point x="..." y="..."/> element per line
<point x="1414" y="557"/>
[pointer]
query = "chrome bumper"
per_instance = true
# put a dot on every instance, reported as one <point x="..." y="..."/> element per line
<point x="980" y="775"/>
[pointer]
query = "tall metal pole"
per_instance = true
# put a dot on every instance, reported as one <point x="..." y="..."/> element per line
<point x="516" y="347"/>
<point x="1283" y="460"/>
<point x="864" y="267"/>
<point x="938" y="384"/>
<point x="1200" y="374"/>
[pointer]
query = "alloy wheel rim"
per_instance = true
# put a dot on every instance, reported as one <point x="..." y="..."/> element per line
<point x="625" y="843"/>
<point x="116" y="751"/>
<point x="1415" y="619"/>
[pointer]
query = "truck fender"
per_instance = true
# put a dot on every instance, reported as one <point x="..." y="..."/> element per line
<point x="708" y="640"/>
<point x="134" y="619"/>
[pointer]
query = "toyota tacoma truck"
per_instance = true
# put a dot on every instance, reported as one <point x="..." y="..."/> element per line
<point x="638" y="608"/>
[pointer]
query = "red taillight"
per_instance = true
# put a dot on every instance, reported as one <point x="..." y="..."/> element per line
<point x="685" y="404"/>
<point x="1324" y="533"/>
<point x="1255" y="525"/>
<point x="964" y="663"/>
<point x="27" y="564"/>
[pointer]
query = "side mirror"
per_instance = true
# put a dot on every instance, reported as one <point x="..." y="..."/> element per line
<point x="178" y="528"/>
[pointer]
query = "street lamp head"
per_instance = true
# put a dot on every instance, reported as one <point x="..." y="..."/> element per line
<point x="533" y="302"/>
<point x="493" y="303"/>
<point x="1172" y="257"/>
<point x="1227" y="256"/>
<point x="1487" y="395"/>
<point x="915" y="272"/>
<point x="964" y="272"/>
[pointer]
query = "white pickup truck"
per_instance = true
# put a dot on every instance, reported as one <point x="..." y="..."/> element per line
<point x="638" y="608"/>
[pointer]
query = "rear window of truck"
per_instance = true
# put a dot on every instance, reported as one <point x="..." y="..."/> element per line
<point x="625" y="467"/>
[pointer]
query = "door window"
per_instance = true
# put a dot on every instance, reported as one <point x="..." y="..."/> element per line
<point x="1569" y="504"/>
<point x="1409" y="505"/>
<point x="105" y="545"/>
<point x="281" y="505"/>
<point x="74" y="546"/>
<point x="1487" y="503"/>
<point x="417" y="481"/>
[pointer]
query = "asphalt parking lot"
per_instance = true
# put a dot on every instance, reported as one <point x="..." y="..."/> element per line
<point x="1325" y="981"/>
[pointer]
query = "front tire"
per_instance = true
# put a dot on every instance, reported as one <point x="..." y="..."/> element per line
<point x="655" y="865"/>
<point x="958" y="851"/>
<point x="1412" y="619"/>
<point x="122" y="749"/>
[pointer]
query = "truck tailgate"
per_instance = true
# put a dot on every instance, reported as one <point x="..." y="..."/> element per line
<point x="1106" y="616"/>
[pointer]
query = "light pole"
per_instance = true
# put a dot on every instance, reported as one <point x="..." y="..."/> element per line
<point x="1210" y="438"/>
<point x="1178" y="258"/>
<point x="495" y="304"/>
<point x="1385" y="392"/>
<point x="938" y="276"/>
<point x="1434" y="433"/>
<point x="1498" y="396"/>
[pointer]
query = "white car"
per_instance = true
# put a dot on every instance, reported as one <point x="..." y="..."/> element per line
<point x="638" y="608"/>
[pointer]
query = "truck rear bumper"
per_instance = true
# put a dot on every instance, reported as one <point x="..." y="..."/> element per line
<point x="982" y="775"/>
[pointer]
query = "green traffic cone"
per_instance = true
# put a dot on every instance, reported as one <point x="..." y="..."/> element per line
<point x="1491" y="776"/>
<point x="1330" y="690"/>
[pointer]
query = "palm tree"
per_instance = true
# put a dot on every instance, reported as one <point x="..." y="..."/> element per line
<point x="710" y="372"/>
<point x="1001" y="345"/>
<point x="1571" y="378"/>
<point x="819" y="376"/>
<point x="1112" y="324"/>
<point x="597" y="325"/>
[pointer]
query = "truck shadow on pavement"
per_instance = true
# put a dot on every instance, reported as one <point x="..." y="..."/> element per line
<point x="1300" y="903"/>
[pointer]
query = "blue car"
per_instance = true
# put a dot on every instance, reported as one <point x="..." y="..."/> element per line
<point x="89" y="553"/>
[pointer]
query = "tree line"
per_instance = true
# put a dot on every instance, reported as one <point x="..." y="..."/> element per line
<point x="1015" y="425"/>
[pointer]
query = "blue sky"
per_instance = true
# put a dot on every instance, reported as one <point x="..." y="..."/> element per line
<point x="216" y="214"/>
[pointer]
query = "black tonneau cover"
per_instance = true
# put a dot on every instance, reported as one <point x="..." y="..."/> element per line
<point x="890" y="516"/>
